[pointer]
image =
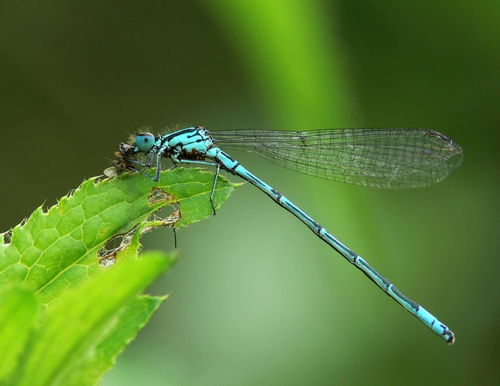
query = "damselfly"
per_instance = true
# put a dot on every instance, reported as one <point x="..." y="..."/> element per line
<point x="381" y="158"/>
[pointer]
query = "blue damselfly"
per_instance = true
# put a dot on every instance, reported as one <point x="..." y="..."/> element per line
<point x="381" y="158"/>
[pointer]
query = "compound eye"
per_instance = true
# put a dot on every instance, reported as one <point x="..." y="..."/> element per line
<point x="144" y="141"/>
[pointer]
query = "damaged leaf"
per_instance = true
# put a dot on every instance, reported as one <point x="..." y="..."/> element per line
<point x="67" y="309"/>
<point x="55" y="249"/>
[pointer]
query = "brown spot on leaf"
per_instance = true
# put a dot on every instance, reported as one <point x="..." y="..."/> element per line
<point x="159" y="195"/>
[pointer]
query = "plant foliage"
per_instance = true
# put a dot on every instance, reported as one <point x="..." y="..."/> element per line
<point x="72" y="279"/>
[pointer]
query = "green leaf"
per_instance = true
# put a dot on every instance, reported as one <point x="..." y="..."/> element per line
<point x="53" y="250"/>
<point x="61" y="256"/>
<point x="83" y="326"/>
<point x="18" y="309"/>
<point x="130" y="320"/>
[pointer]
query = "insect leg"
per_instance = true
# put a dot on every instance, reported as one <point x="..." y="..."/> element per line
<point x="217" y="170"/>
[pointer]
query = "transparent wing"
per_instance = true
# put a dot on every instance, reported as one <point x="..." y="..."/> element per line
<point x="381" y="158"/>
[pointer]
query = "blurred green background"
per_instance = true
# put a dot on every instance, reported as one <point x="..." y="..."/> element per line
<point x="256" y="298"/>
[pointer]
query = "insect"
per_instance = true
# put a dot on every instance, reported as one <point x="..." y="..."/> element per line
<point x="381" y="158"/>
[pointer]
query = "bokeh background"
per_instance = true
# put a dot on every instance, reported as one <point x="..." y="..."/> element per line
<point x="256" y="298"/>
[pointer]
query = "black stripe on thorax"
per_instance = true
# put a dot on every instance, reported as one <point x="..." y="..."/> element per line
<point x="168" y="137"/>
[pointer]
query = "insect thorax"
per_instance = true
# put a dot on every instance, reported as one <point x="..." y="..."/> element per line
<point x="191" y="143"/>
